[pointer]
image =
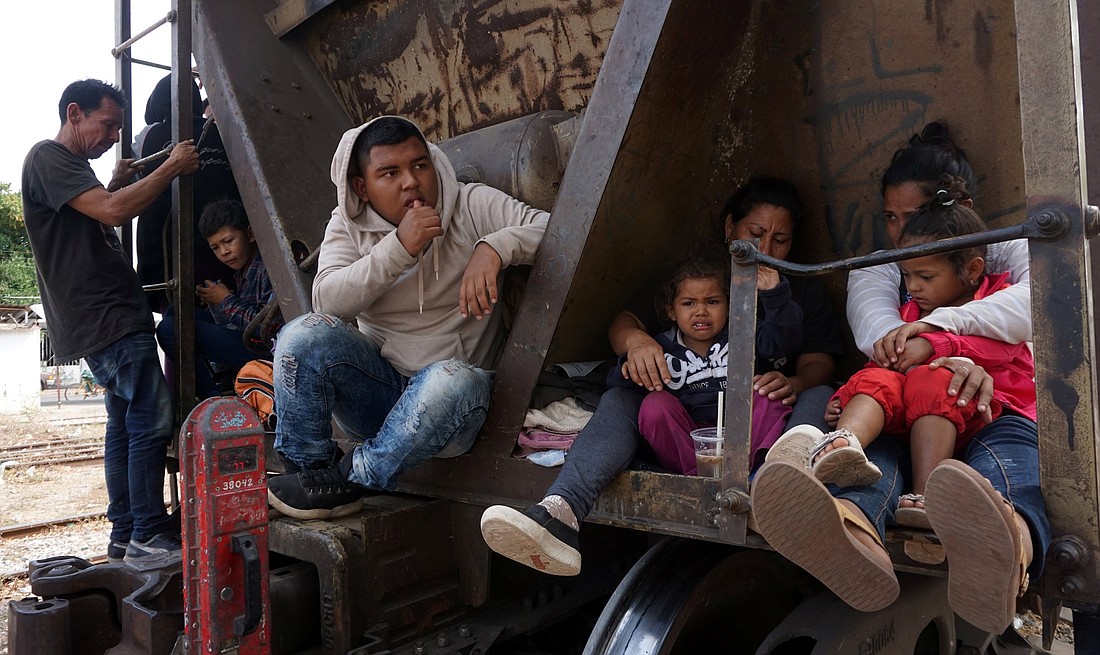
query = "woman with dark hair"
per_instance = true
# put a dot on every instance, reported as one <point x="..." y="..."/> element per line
<point x="915" y="174"/>
<point x="545" y="535"/>
<point x="986" y="506"/>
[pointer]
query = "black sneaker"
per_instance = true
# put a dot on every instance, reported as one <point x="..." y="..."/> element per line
<point x="166" y="542"/>
<point x="116" y="551"/>
<point x="321" y="493"/>
<point x="533" y="538"/>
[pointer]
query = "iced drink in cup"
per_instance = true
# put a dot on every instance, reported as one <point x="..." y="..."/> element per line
<point x="708" y="452"/>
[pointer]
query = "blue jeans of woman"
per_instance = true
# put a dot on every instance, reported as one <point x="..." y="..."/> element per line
<point x="139" y="429"/>
<point x="809" y="409"/>
<point x="1006" y="452"/>
<point x="327" y="369"/>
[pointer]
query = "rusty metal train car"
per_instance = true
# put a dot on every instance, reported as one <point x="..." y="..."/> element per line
<point x="631" y="120"/>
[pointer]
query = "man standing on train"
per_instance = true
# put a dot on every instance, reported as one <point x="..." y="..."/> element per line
<point x="94" y="304"/>
<point x="414" y="257"/>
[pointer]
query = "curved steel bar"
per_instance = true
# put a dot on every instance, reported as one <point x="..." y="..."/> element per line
<point x="1047" y="224"/>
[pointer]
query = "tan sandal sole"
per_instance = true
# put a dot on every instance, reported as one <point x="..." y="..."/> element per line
<point x="982" y="541"/>
<point x="802" y="521"/>
<point x="912" y="517"/>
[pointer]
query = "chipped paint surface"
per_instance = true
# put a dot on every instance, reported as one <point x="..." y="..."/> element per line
<point x="453" y="66"/>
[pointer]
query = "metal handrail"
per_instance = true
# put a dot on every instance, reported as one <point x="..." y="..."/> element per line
<point x="1048" y="225"/>
<point x="125" y="45"/>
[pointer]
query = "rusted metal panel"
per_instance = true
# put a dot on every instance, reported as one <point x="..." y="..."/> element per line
<point x="1062" y="309"/>
<point x="875" y="76"/>
<point x="654" y="502"/>
<point x="638" y="173"/>
<point x="183" y="216"/>
<point x="676" y="505"/>
<point x="280" y="128"/>
<point x="457" y="66"/>
<point x="1088" y="24"/>
<point x="292" y="13"/>
<point x="481" y="477"/>
<point x="821" y="93"/>
<point x="336" y="550"/>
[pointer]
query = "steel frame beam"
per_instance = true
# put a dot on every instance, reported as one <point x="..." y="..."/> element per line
<point x="1049" y="52"/>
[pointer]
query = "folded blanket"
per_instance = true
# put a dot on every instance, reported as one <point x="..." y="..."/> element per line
<point x="563" y="417"/>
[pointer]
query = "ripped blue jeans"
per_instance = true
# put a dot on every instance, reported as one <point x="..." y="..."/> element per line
<point x="327" y="369"/>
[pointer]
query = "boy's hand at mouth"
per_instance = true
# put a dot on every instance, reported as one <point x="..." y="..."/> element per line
<point x="418" y="227"/>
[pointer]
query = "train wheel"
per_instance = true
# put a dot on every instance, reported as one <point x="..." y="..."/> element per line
<point x="689" y="596"/>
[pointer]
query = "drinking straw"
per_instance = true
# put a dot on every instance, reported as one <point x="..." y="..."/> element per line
<point x="721" y="416"/>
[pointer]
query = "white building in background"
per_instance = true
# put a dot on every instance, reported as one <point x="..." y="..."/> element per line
<point x="20" y="379"/>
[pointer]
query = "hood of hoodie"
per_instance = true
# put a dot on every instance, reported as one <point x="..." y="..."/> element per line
<point x="361" y="216"/>
<point x="159" y="106"/>
<point x="357" y="213"/>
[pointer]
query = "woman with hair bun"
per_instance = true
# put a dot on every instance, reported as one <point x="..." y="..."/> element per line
<point x="874" y="294"/>
<point x="986" y="507"/>
<point x="910" y="401"/>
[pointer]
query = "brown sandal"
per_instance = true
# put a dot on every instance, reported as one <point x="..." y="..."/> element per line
<point x="986" y="570"/>
<point x="804" y="523"/>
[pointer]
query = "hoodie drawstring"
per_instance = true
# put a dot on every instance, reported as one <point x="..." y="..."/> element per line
<point x="420" y="273"/>
<point x="420" y="281"/>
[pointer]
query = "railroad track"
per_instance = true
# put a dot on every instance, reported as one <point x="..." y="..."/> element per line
<point x="33" y="529"/>
<point x="56" y="450"/>
<point x="29" y="529"/>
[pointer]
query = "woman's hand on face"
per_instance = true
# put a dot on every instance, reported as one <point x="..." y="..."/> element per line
<point x="645" y="365"/>
<point x="888" y="349"/>
<point x="969" y="382"/>
<point x="766" y="278"/>
<point x="775" y="386"/>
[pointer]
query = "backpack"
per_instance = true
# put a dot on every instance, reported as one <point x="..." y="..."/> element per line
<point x="254" y="384"/>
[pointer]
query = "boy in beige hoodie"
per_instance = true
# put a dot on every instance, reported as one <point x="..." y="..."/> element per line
<point x="414" y="258"/>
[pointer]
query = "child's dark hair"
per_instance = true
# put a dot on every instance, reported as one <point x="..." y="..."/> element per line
<point x="386" y="131"/>
<point x="222" y="213"/>
<point x="946" y="216"/>
<point x="764" y="191"/>
<point x="693" y="268"/>
<point x="926" y="159"/>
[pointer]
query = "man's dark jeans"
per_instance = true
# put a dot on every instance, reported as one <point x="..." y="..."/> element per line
<point x="139" y="429"/>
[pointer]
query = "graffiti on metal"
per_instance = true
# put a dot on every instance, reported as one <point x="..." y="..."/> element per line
<point x="454" y="67"/>
<point x="234" y="418"/>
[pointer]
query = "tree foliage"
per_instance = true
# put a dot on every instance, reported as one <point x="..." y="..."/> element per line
<point x="18" y="284"/>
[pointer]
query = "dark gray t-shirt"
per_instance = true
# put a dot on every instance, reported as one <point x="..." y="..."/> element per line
<point x="89" y="288"/>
